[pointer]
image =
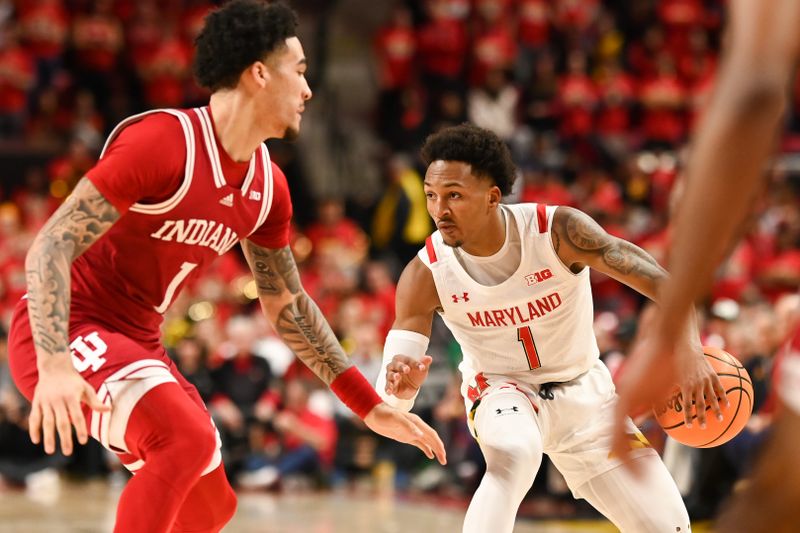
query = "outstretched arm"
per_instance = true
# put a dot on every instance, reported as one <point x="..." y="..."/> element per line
<point x="301" y="325"/>
<point x="79" y="222"/>
<point x="296" y="317"/>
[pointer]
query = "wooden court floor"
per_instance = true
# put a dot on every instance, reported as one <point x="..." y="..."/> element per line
<point x="89" y="508"/>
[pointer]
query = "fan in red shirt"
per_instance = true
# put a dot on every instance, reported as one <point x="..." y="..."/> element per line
<point x="173" y="190"/>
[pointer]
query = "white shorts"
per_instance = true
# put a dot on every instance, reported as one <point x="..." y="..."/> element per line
<point x="576" y="421"/>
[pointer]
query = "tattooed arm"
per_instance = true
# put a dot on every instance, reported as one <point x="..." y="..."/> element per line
<point x="579" y="241"/>
<point x="296" y="317"/>
<point x="76" y="225"/>
<point x="301" y="325"/>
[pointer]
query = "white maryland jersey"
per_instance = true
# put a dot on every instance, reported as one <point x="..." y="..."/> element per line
<point x="538" y="321"/>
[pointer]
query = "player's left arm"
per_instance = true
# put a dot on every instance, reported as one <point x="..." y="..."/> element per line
<point x="302" y="326"/>
<point x="296" y="317"/>
<point x="580" y="241"/>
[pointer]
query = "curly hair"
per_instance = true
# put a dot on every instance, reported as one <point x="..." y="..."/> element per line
<point x="488" y="156"/>
<point x="236" y="36"/>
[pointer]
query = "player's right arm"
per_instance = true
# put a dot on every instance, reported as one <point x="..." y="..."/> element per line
<point x="416" y="301"/>
<point x="80" y="221"/>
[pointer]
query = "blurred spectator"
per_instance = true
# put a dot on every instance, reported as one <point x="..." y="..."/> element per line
<point x="401" y="222"/>
<point x="44" y="25"/>
<point x="242" y="390"/>
<point x="493" y="105"/>
<point x="307" y="441"/>
<point x="17" y="81"/>
<point x="191" y="358"/>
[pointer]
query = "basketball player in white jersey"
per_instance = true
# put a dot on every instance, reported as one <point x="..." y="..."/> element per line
<point x="511" y="282"/>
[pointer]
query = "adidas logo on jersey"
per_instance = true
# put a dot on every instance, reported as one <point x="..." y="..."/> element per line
<point x="227" y="201"/>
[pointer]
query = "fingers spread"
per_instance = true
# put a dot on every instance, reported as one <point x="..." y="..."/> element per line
<point x="35" y="422"/>
<point x="76" y="415"/>
<point x="686" y="396"/>
<point x="64" y="427"/>
<point x="48" y="429"/>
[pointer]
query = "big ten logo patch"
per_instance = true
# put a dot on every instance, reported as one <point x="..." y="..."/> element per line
<point x="538" y="277"/>
<point x="87" y="352"/>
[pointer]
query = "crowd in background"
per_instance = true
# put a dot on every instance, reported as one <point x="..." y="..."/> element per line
<point x="596" y="101"/>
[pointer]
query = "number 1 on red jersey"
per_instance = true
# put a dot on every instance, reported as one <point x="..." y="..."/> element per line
<point x="525" y="336"/>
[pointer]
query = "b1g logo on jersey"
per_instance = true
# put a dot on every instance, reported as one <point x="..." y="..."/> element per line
<point x="538" y="277"/>
<point x="87" y="352"/>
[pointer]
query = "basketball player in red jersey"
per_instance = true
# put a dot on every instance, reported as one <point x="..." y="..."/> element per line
<point x="732" y="144"/>
<point x="173" y="190"/>
<point x="511" y="282"/>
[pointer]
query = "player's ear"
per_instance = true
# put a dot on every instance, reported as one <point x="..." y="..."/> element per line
<point x="494" y="196"/>
<point x="258" y="74"/>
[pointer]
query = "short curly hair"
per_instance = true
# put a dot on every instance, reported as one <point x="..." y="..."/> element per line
<point x="236" y="36"/>
<point x="488" y="156"/>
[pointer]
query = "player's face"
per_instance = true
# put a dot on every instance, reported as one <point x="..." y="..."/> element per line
<point x="459" y="202"/>
<point x="288" y="89"/>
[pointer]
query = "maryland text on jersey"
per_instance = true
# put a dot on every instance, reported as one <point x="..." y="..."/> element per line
<point x="537" y="308"/>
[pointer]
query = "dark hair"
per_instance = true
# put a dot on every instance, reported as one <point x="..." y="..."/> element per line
<point x="488" y="156"/>
<point x="236" y="36"/>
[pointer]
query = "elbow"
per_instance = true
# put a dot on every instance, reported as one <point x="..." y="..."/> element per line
<point x="762" y="96"/>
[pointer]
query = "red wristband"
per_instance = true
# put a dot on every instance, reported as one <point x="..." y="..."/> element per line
<point x="355" y="391"/>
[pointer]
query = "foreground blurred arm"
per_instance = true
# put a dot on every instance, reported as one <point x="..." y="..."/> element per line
<point x="725" y="171"/>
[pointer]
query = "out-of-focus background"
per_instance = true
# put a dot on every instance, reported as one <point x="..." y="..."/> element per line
<point x="596" y="100"/>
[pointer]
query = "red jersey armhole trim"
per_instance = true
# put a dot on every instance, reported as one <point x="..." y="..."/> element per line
<point x="431" y="251"/>
<point x="541" y="215"/>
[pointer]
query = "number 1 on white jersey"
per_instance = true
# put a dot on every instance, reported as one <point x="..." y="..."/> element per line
<point x="525" y="336"/>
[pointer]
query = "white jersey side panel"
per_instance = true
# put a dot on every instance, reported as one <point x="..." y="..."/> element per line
<point x="538" y="321"/>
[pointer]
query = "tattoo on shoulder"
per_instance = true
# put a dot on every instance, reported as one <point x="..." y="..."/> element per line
<point x="585" y="235"/>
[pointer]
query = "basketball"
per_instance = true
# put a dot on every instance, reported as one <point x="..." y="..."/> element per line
<point x="739" y="388"/>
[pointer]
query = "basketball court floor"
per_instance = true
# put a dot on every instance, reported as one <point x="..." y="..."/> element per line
<point x="89" y="508"/>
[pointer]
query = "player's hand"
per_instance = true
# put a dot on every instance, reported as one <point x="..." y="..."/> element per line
<point x="56" y="405"/>
<point x="405" y="375"/>
<point x="406" y="427"/>
<point x="699" y="385"/>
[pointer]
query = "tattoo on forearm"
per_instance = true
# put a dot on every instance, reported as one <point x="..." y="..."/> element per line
<point x="274" y="270"/>
<point x="75" y="226"/>
<point x="307" y="333"/>
<point x="584" y="234"/>
<point x="300" y="322"/>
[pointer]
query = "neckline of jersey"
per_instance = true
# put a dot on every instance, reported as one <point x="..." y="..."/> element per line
<point x="462" y="273"/>
<point x="217" y="156"/>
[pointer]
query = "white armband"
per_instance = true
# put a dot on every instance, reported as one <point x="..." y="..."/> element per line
<point x="400" y="342"/>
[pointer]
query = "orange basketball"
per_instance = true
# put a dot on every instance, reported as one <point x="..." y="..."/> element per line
<point x="739" y="389"/>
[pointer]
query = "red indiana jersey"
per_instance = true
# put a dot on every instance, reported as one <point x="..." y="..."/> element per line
<point x="174" y="221"/>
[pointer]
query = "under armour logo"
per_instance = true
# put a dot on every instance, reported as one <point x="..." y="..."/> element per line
<point x="514" y="409"/>
<point x="254" y="195"/>
<point x="457" y="298"/>
<point x="537" y="277"/>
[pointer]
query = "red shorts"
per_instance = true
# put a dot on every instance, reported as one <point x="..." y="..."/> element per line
<point x="120" y="370"/>
<point x="787" y="373"/>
